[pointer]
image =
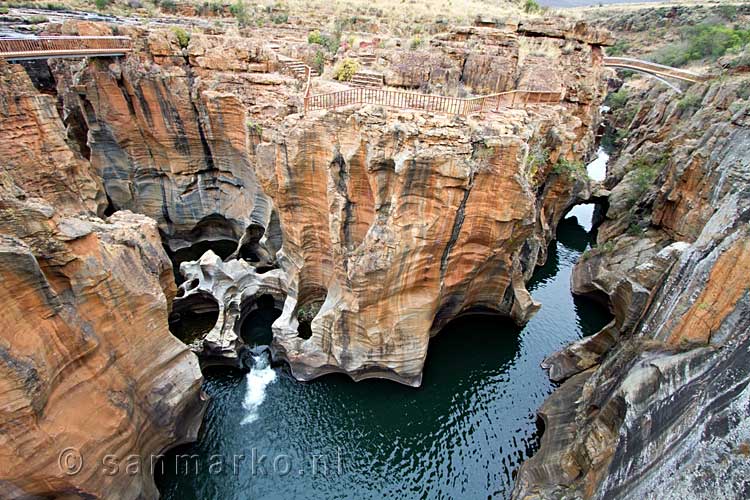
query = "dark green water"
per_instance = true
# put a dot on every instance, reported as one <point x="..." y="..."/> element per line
<point x="462" y="434"/>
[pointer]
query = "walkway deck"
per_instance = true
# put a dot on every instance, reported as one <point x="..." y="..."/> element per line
<point x="430" y="103"/>
<point x="20" y="49"/>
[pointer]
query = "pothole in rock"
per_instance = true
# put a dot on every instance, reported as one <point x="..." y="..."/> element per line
<point x="305" y="314"/>
<point x="193" y="317"/>
<point x="257" y="316"/>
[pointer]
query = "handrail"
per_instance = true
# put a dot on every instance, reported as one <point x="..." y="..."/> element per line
<point x="60" y="46"/>
<point x="429" y="102"/>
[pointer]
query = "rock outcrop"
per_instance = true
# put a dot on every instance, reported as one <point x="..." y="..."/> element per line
<point x="658" y="401"/>
<point x="395" y="222"/>
<point x="482" y="60"/>
<point x="88" y="367"/>
<point x="235" y="286"/>
<point x="170" y="131"/>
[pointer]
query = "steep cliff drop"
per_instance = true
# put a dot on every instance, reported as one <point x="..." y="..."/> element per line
<point x="88" y="368"/>
<point x="655" y="404"/>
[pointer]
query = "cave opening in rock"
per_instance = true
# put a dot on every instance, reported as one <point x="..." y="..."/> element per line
<point x="306" y="312"/>
<point x="193" y="316"/>
<point x="257" y="315"/>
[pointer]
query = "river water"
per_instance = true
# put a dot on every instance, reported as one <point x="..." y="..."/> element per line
<point x="463" y="434"/>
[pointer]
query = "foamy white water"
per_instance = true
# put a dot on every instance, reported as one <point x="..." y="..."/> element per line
<point x="597" y="169"/>
<point x="260" y="376"/>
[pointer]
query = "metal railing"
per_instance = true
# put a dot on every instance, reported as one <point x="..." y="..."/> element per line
<point x="63" y="46"/>
<point x="430" y="103"/>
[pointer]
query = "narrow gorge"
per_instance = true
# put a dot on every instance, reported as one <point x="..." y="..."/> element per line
<point x="538" y="293"/>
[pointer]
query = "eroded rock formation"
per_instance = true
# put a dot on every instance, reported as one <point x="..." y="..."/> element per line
<point x="235" y="285"/>
<point x="170" y="131"/>
<point x="86" y="360"/>
<point x="395" y="222"/>
<point x="663" y="402"/>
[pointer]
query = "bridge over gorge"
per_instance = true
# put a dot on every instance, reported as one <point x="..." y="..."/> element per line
<point x="657" y="71"/>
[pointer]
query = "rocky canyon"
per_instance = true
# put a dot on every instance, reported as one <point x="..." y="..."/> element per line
<point x="156" y="203"/>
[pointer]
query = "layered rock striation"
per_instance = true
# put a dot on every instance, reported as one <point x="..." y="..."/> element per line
<point x="657" y="401"/>
<point x="170" y="131"/>
<point x="396" y="222"/>
<point x="87" y="364"/>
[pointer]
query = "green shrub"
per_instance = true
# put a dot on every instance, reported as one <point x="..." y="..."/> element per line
<point x="239" y="10"/>
<point x="280" y="18"/>
<point x="606" y="247"/>
<point x="415" y="42"/>
<point x="346" y="70"/>
<point x="645" y="172"/>
<point x="703" y="41"/>
<point x="573" y="169"/>
<point x="319" y="62"/>
<point x="531" y="6"/>
<point x="3" y="9"/>
<point x="689" y="102"/>
<point x="331" y="43"/>
<point x="619" y="48"/>
<point x="635" y="230"/>
<point x="617" y="100"/>
<point x="37" y="19"/>
<point x="538" y="158"/>
<point x="728" y="12"/>
<point x="167" y="5"/>
<point x="316" y="38"/>
<point x="254" y="128"/>
<point x="183" y="37"/>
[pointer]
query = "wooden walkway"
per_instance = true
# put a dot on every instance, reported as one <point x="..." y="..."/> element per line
<point x="19" y="49"/>
<point x="430" y="103"/>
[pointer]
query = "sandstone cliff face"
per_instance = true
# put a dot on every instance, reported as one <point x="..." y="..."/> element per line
<point x="532" y="55"/>
<point x="660" y="403"/>
<point x="170" y="131"/>
<point x="86" y="359"/>
<point x="395" y="222"/>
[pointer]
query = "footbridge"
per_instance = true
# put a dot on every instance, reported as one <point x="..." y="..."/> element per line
<point x="657" y="71"/>
<point x="47" y="47"/>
